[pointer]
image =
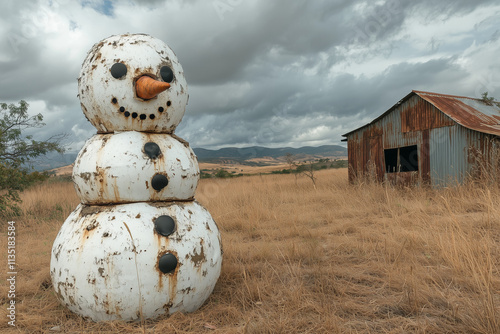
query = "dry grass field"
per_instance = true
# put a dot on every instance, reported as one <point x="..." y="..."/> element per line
<point x="245" y="169"/>
<point x="339" y="259"/>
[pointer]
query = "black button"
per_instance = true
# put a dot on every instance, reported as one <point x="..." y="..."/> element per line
<point x="165" y="225"/>
<point x="159" y="182"/>
<point x="152" y="150"/>
<point x="167" y="263"/>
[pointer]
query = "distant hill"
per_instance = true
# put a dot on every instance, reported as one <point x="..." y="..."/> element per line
<point x="53" y="160"/>
<point x="255" y="152"/>
<point x="246" y="155"/>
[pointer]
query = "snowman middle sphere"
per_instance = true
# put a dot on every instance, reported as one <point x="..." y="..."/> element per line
<point x="110" y="75"/>
<point x="132" y="166"/>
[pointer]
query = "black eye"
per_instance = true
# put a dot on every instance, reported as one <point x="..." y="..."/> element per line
<point x="118" y="70"/>
<point x="166" y="74"/>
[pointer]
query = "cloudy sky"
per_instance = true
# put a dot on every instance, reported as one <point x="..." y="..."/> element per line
<point x="260" y="72"/>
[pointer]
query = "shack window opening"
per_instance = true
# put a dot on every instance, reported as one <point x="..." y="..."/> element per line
<point x="408" y="158"/>
<point x="391" y="160"/>
<point x="402" y="159"/>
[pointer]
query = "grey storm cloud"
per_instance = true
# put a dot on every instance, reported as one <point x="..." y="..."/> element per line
<point x="272" y="73"/>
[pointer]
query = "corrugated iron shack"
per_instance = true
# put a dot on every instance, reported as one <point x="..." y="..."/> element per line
<point x="426" y="138"/>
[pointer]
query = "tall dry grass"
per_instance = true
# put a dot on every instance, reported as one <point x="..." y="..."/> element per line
<point x="339" y="259"/>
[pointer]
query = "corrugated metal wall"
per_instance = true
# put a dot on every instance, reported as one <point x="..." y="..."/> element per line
<point x="451" y="156"/>
<point x="443" y="145"/>
<point x="448" y="155"/>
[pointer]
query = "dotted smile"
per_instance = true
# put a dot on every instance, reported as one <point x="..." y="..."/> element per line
<point x="127" y="113"/>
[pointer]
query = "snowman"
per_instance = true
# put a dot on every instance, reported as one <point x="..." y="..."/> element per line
<point x="138" y="245"/>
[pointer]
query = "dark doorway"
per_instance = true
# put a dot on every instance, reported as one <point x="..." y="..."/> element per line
<point x="391" y="160"/>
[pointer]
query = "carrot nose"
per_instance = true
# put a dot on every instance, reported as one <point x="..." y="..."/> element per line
<point x="146" y="87"/>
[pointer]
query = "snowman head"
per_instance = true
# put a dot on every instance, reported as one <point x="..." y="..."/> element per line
<point x="132" y="82"/>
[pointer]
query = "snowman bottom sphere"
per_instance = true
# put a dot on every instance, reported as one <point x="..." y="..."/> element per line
<point x="128" y="261"/>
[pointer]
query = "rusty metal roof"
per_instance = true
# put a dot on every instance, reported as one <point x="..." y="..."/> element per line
<point x="474" y="114"/>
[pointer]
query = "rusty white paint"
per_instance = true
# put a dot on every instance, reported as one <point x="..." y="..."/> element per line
<point x="113" y="168"/>
<point x="101" y="271"/>
<point x="142" y="55"/>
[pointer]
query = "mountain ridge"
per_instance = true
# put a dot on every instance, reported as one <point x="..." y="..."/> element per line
<point x="252" y="152"/>
<point x="225" y="154"/>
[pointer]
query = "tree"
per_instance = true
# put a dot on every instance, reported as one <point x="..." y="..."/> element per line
<point x="222" y="173"/>
<point x="290" y="160"/>
<point x="308" y="170"/>
<point x="489" y="100"/>
<point x="16" y="151"/>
